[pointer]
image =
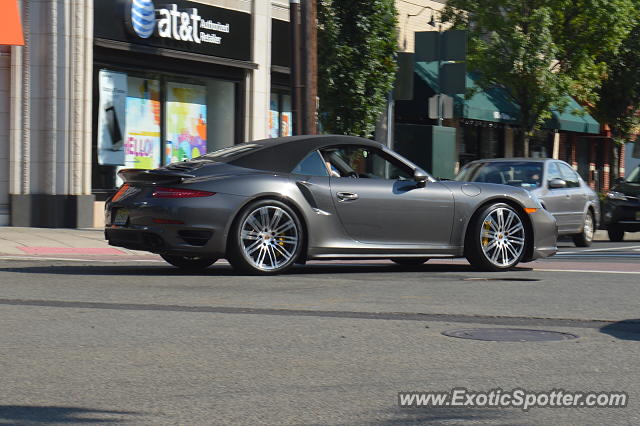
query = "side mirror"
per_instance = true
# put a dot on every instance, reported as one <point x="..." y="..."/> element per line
<point x="557" y="183"/>
<point x="420" y="176"/>
<point x="618" y="180"/>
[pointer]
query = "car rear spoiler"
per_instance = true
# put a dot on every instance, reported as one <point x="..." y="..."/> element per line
<point x="153" y="176"/>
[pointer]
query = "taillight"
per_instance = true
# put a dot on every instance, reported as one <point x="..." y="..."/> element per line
<point x="164" y="192"/>
<point x="120" y="192"/>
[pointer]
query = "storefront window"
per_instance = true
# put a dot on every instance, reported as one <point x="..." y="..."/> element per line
<point x="186" y="122"/>
<point x="145" y="120"/>
<point x="142" y="135"/>
<point x="274" y="116"/>
<point x="280" y="115"/>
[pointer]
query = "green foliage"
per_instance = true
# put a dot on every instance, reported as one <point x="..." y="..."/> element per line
<point x="357" y="40"/>
<point x="542" y="50"/>
<point x="620" y="93"/>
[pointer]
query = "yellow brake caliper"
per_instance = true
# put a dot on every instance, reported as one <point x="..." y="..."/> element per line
<point x="485" y="235"/>
<point x="280" y="240"/>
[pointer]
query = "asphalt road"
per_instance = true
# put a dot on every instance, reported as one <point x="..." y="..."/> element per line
<point x="142" y="343"/>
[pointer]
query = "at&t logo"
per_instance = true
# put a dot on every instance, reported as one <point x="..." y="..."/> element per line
<point x="143" y="17"/>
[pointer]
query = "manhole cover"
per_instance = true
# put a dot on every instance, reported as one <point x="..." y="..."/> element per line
<point x="499" y="279"/>
<point x="509" y="334"/>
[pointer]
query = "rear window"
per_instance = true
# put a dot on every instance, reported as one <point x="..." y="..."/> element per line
<point x="523" y="174"/>
<point x="228" y="154"/>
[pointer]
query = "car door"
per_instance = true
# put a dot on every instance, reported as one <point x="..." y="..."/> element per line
<point x="378" y="201"/>
<point x="556" y="200"/>
<point x="576" y="200"/>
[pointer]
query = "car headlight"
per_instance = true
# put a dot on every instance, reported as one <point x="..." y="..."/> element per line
<point x="613" y="195"/>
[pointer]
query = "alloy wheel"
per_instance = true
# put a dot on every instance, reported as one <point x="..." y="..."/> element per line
<point x="269" y="238"/>
<point x="502" y="237"/>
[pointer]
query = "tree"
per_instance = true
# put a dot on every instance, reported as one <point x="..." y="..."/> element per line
<point x="357" y="41"/>
<point x="542" y="50"/>
<point x="619" y="95"/>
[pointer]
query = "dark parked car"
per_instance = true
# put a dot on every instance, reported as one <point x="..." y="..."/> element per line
<point x="559" y="188"/>
<point x="621" y="207"/>
<point x="268" y="204"/>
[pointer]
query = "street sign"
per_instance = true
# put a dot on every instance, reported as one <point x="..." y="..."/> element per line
<point x="446" y="106"/>
<point x="453" y="78"/>
<point x="444" y="46"/>
<point x="403" y="86"/>
<point x="426" y="46"/>
<point x="454" y="45"/>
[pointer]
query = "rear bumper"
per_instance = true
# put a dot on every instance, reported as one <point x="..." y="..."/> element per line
<point x="180" y="242"/>
<point x="201" y="228"/>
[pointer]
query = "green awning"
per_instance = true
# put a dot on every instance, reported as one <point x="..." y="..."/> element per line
<point x="567" y="120"/>
<point x="495" y="104"/>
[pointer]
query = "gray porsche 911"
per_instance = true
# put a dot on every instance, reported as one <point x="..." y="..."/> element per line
<point x="268" y="204"/>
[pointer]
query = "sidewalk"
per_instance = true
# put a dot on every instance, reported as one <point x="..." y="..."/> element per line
<point x="52" y="242"/>
<point x="57" y="242"/>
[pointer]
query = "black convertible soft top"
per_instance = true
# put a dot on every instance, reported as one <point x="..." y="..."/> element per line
<point x="281" y="154"/>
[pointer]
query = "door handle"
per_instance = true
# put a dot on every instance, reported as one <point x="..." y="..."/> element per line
<point x="347" y="196"/>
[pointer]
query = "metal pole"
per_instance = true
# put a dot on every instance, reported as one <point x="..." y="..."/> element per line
<point x="439" y="94"/>
<point x="310" y="58"/>
<point x="296" y="67"/>
<point x="390" y="118"/>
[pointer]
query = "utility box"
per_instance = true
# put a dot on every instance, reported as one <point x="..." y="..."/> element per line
<point x="431" y="147"/>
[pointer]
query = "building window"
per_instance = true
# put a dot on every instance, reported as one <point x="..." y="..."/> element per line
<point x="280" y="115"/>
<point x="145" y="120"/>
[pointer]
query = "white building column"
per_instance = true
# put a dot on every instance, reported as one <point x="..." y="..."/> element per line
<point x="50" y="116"/>
<point x="5" y="129"/>
<point x="258" y="84"/>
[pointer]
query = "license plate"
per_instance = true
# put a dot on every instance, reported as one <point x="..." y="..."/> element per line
<point x="637" y="215"/>
<point x="122" y="216"/>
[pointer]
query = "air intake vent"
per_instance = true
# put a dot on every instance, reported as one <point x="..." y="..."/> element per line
<point x="195" y="238"/>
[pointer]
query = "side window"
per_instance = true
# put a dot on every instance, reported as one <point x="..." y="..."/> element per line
<point x="553" y="172"/>
<point x="312" y="165"/>
<point x="569" y="175"/>
<point x="364" y="162"/>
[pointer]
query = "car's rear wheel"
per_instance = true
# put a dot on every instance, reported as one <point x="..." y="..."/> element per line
<point x="497" y="238"/>
<point x="266" y="238"/>
<point x="615" y="234"/>
<point x="410" y="261"/>
<point x="189" y="263"/>
<point x="585" y="238"/>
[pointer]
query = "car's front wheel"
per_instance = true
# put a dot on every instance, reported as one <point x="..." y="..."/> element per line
<point x="496" y="239"/>
<point x="266" y="238"/>
<point x="189" y="263"/>
<point x="615" y="234"/>
<point x="585" y="238"/>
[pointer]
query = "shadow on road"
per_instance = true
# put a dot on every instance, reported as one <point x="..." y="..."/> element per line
<point x="625" y="330"/>
<point x="226" y="270"/>
<point x="27" y="414"/>
<point x="442" y="415"/>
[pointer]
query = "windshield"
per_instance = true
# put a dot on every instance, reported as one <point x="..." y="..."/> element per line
<point x="523" y="174"/>
<point x="634" y="177"/>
